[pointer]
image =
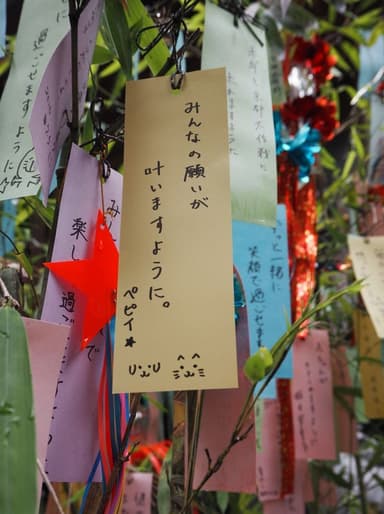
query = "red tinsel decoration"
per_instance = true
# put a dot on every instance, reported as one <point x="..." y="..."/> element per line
<point x="305" y="246"/>
<point x="302" y="237"/>
<point x="313" y="54"/>
<point x="319" y="113"/>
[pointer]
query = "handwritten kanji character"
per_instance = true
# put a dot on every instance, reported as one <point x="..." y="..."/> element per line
<point x="254" y="267"/>
<point x="257" y="296"/>
<point x="254" y="251"/>
<point x="79" y="227"/>
<point x="194" y="171"/>
<point x="262" y="153"/>
<point x="157" y="168"/>
<point x="68" y="301"/>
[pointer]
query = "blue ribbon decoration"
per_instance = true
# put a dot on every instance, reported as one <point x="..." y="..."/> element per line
<point x="301" y="148"/>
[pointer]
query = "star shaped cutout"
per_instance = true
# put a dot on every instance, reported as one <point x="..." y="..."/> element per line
<point x="95" y="278"/>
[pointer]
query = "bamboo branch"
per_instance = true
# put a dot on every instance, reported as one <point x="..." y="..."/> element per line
<point x="74" y="16"/>
<point x="122" y="458"/>
<point x="279" y="352"/>
<point x="192" y="444"/>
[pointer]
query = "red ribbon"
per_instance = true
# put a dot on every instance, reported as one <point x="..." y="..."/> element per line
<point x="287" y="451"/>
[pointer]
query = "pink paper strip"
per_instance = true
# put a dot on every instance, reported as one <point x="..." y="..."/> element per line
<point x="220" y="413"/>
<point x="137" y="494"/>
<point x="268" y="463"/>
<point x="53" y="104"/>
<point x="312" y="398"/>
<point x="293" y="503"/>
<point x="346" y="426"/>
<point x="73" y="443"/>
<point x="46" y="342"/>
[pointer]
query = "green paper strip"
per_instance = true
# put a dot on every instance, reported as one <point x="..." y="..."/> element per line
<point x="251" y="133"/>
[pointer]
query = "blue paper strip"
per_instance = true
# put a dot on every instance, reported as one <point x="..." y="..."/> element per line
<point x="260" y="255"/>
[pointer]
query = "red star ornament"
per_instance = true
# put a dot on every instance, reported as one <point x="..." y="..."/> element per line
<point x="95" y="278"/>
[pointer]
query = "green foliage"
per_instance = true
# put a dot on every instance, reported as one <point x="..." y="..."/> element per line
<point x="17" y="427"/>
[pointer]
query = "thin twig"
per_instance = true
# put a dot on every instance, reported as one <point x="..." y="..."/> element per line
<point x="50" y="488"/>
<point x="192" y="450"/>
<point x="74" y="16"/>
<point x="360" y="479"/>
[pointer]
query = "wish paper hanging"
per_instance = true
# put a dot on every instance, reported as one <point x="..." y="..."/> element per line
<point x="175" y="311"/>
<point x="46" y="342"/>
<point x="37" y="38"/>
<point x="312" y="397"/>
<point x="53" y="105"/>
<point x="261" y="256"/>
<point x="367" y="254"/>
<point x="371" y="365"/>
<point x="250" y="121"/>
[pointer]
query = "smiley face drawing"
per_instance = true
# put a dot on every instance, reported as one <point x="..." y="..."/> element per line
<point x="144" y="371"/>
<point x="188" y="370"/>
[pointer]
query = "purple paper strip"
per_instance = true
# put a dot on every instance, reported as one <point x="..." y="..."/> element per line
<point x="73" y="441"/>
<point x="52" y="109"/>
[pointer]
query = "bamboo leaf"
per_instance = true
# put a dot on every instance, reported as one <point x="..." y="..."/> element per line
<point x="163" y="492"/>
<point x="138" y="19"/>
<point x="117" y="35"/>
<point x="101" y="55"/>
<point x="367" y="20"/>
<point x="222" y="498"/>
<point x="17" y="428"/>
<point x="46" y="214"/>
